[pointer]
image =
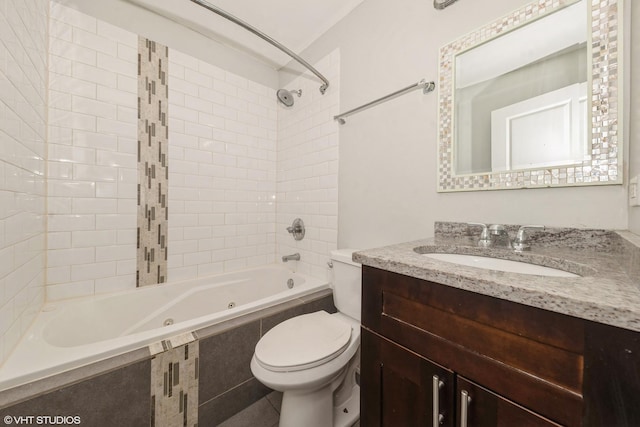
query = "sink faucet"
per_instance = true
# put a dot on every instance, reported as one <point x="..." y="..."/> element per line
<point x="520" y="243"/>
<point x="499" y="234"/>
<point x="485" y="238"/>
<point x="294" y="257"/>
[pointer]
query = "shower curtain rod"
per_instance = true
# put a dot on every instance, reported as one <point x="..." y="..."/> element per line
<point x="425" y="85"/>
<point x="263" y="36"/>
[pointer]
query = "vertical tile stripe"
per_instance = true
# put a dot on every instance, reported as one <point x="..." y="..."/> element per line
<point x="153" y="167"/>
<point x="173" y="379"/>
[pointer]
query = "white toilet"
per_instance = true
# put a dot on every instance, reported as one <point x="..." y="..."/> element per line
<point x="313" y="358"/>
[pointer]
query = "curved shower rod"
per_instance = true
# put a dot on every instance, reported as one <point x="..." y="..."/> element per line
<point x="263" y="36"/>
<point x="441" y="4"/>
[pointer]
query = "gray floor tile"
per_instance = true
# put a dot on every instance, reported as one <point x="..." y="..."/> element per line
<point x="260" y="414"/>
<point x="275" y="398"/>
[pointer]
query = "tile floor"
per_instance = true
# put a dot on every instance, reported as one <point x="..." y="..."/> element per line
<point x="264" y="413"/>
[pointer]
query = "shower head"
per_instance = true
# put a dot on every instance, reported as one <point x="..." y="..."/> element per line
<point x="286" y="96"/>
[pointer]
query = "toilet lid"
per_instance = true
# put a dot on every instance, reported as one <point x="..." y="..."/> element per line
<point x="303" y="342"/>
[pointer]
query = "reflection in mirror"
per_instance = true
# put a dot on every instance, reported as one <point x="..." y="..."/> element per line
<point x="518" y="96"/>
<point x="520" y="99"/>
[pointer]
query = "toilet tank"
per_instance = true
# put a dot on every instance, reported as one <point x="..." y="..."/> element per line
<point x="347" y="283"/>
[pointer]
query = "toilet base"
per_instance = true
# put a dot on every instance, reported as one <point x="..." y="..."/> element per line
<point x="309" y="409"/>
<point x="315" y="409"/>
<point x="348" y="413"/>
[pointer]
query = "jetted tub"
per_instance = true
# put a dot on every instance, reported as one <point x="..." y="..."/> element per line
<point x="72" y="333"/>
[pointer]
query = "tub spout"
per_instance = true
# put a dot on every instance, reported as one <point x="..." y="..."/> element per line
<point x="294" y="257"/>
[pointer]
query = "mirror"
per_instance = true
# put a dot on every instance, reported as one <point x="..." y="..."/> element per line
<point x="531" y="100"/>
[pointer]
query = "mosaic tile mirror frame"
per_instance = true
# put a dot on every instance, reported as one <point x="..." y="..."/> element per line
<point x="604" y="104"/>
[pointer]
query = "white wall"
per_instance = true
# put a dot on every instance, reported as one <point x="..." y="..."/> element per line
<point x="222" y="162"/>
<point x="23" y="75"/>
<point x="136" y="19"/>
<point x="227" y="168"/>
<point x="634" y="122"/>
<point x="308" y="169"/>
<point x="222" y="170"/>
<point x="92" y="161"/>
<point x="388" y="154"/>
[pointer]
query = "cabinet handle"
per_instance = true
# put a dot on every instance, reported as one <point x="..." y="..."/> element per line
<point x="465" y="401"/>
<point x="438" y="418"/>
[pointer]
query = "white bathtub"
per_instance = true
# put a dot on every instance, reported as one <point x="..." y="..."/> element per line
<point x="72" y="333"/>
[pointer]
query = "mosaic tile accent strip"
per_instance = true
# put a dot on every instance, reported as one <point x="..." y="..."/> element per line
<point x="153" y="168"/>
<point x="605" y="166"/>
<point x="174" y="382"/>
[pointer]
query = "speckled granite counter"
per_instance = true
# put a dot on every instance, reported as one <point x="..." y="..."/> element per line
<point x="608" y="290"/>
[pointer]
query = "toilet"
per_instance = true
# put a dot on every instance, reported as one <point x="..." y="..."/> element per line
<point x="313" y="358"/>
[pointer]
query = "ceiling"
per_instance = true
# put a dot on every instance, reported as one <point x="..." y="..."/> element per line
<point x="293" y="23"/>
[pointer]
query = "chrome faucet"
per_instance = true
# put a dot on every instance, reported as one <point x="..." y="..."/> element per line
<point x="297" y="229"/>
<point x="294" y="257"/>
<point x="520" y="243"/>
<point x="499" y="234"/>
<point x="485" y="238"/>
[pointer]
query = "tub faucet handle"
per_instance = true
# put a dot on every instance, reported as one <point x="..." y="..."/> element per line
<point x="297" y="229"/>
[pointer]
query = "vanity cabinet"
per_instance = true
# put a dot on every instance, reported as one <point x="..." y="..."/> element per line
<point x="405" y="389"/>
<point x="520" y="365"/>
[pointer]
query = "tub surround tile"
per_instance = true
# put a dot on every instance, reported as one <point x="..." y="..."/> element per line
<point x="174" y="383"/>
<point x="228" y="386"/>
<point x="120" y="397"/>
<point x="225" y="385"/>
<point x="225" y="360"/>
<point x="223" y="170"/>
<point x="92" y="151"/>
<point x="35" y="389"/>
<point x="608" y="292"/>
<point x="263" y="314"/>
<point x="153" y="162"/>
<point x="170" y="343"/>
<point x="307" y="169"/>
<point x="23" y="107"/>
<point x="233" y="179"/>
<point x="324" y="303"/>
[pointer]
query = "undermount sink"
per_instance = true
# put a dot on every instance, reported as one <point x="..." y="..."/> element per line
<point x="500" y="264"/>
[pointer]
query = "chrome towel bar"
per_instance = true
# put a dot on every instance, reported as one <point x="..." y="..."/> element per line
<point x="425" y="85"/>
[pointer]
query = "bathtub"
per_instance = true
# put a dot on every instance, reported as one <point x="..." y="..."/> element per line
<point x="72" y="333"/>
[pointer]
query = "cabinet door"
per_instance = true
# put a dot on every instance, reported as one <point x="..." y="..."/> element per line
<point x="478" y="407"/>
<point x="400" y="388"/>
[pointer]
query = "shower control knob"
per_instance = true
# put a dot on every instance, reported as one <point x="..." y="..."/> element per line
<point x="297" y="229"/>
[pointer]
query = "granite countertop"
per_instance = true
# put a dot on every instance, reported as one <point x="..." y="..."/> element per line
<point x="608" y="262"/>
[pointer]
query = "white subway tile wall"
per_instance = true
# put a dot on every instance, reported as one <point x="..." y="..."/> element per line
<point x="92" y="156"/>
<point x="242" y="167"/>
<point x="308" y="169"/>
<point x="23" y="74"/>
<point x="222" y="173"/>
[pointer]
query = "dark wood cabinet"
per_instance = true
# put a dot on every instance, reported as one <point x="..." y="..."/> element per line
<point x="487" y="409"/>
<point x="403" y="388"/>
<point x="519" y="365"/>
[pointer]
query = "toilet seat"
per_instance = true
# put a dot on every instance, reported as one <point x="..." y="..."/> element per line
<point x="303" y="342"/>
